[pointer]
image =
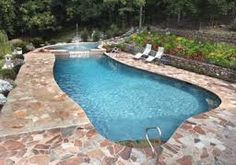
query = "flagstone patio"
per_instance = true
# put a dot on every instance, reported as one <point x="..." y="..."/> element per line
<point x="40" y="124"/>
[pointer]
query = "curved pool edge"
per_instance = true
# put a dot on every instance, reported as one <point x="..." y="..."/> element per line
<point x="164" y="75"/>
<point x="175" y="150"/>
<point x="186" y="136"/>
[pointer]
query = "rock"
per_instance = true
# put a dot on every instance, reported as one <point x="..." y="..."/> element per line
<point x="5" y="86"/>
<point x="67" y="131"/>
<point x="2" y="149"/>
<point x="13" y="145"/>
<point x="109" y="160"/>
<point x="3" y="99"/>
<point x="125" y="153"/>
<point x="204" y="153"/>
<point x="39" y="160"/>
<point x="199" y="130"/>
<point x="18" y="62"/>
<point x="21" y="114"/>
<point x="30" y="47"/>
<point x="91" y="133"/>
<point x="185" y="160"/>
<point x="42" y="146"/>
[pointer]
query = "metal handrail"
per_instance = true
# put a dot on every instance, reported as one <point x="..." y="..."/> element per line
<point x="148" y="140"/>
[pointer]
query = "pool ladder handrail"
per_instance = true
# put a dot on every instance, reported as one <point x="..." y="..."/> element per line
<point x="148" y="140"/>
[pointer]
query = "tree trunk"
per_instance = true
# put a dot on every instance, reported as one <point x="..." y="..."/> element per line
<point x="179" y="17"/>
<point x="200" y="26"/>
<point x="140" y="17"/>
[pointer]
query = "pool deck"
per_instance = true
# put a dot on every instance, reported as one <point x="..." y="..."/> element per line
<point x="41" y="125"/>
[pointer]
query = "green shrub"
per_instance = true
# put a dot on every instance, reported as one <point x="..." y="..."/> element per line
<point x="96" y="36"/>
<point x="8" y="74"/>
<point x="84" y="35"/>
<point x="37" y="42"/>
<point x="19" y="43"/>
<point x="108" y="34"/>
<point x="112" y="31"/>
<point x="52" y="42"/>
<point x="5" y="46"/>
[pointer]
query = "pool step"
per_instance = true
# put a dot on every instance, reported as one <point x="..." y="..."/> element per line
<point x="155" y="149"/>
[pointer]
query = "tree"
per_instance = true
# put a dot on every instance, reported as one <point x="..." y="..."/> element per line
<point x="37" y="15"/>
<point x="127" y="7"/>
<point x="84" y="11"/>
<point x="5" y="46"/>
<point x="217" y="8"/>
<point x="7" y="16"/>
<point x="180" y="8"/>
<point x="141" y="4"/>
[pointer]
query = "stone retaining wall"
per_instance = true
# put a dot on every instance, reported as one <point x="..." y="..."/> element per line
<point x="191" y="65"/>
<point x="200" y="35"/>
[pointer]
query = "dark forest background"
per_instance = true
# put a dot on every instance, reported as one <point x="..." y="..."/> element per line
<point x="47" y="17"/>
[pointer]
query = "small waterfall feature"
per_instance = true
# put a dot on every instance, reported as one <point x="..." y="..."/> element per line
<point x="76" y="38"/>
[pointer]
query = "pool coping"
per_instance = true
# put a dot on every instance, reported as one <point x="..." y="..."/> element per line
<point x="175" y="149"/>
<point x="192" y="124"/>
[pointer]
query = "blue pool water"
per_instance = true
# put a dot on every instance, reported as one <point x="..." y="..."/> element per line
<point x="121" y="101"/>
<point x="75" y="47"/>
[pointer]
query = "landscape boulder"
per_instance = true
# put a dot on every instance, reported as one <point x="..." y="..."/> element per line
<point x="3" y="100"/>
<point x="5" y="87"/>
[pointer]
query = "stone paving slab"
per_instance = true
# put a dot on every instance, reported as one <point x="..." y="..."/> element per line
<point x="40" y="124"/>
<point x="68" y="146"/>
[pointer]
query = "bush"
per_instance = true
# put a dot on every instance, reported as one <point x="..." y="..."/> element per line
<point x="17" y="64"/>
<point x="19" y="43"/>
<point x="52" y="42"/>
<point x="5" y="46"/>
<point x="113" y="31"/>
<point x="84" y="35"/>
<point x="37" y="42"/>
<point x="96" y="36"/>
<point x="8" y="74"/>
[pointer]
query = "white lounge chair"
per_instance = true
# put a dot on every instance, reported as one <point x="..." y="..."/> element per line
<point x="158" y="55"/>
<point x="146" y="51"/>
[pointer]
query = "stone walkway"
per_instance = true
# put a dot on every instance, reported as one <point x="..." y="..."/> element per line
<point x="41" y="125"/>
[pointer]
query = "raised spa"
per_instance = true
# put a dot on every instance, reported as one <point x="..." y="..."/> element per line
<point x="121" y="101"/>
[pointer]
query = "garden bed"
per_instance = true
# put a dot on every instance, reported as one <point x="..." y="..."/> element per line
<point x="191" y="65"/>
<point x="220" y="54"/>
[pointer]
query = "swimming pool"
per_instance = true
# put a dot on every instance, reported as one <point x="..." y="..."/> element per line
<point x="121" y="102"/>
<point x="75" y="46"/>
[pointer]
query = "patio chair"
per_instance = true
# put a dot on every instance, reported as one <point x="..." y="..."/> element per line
<point x="146" y="51"/>
<point x="158" y="55"/>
